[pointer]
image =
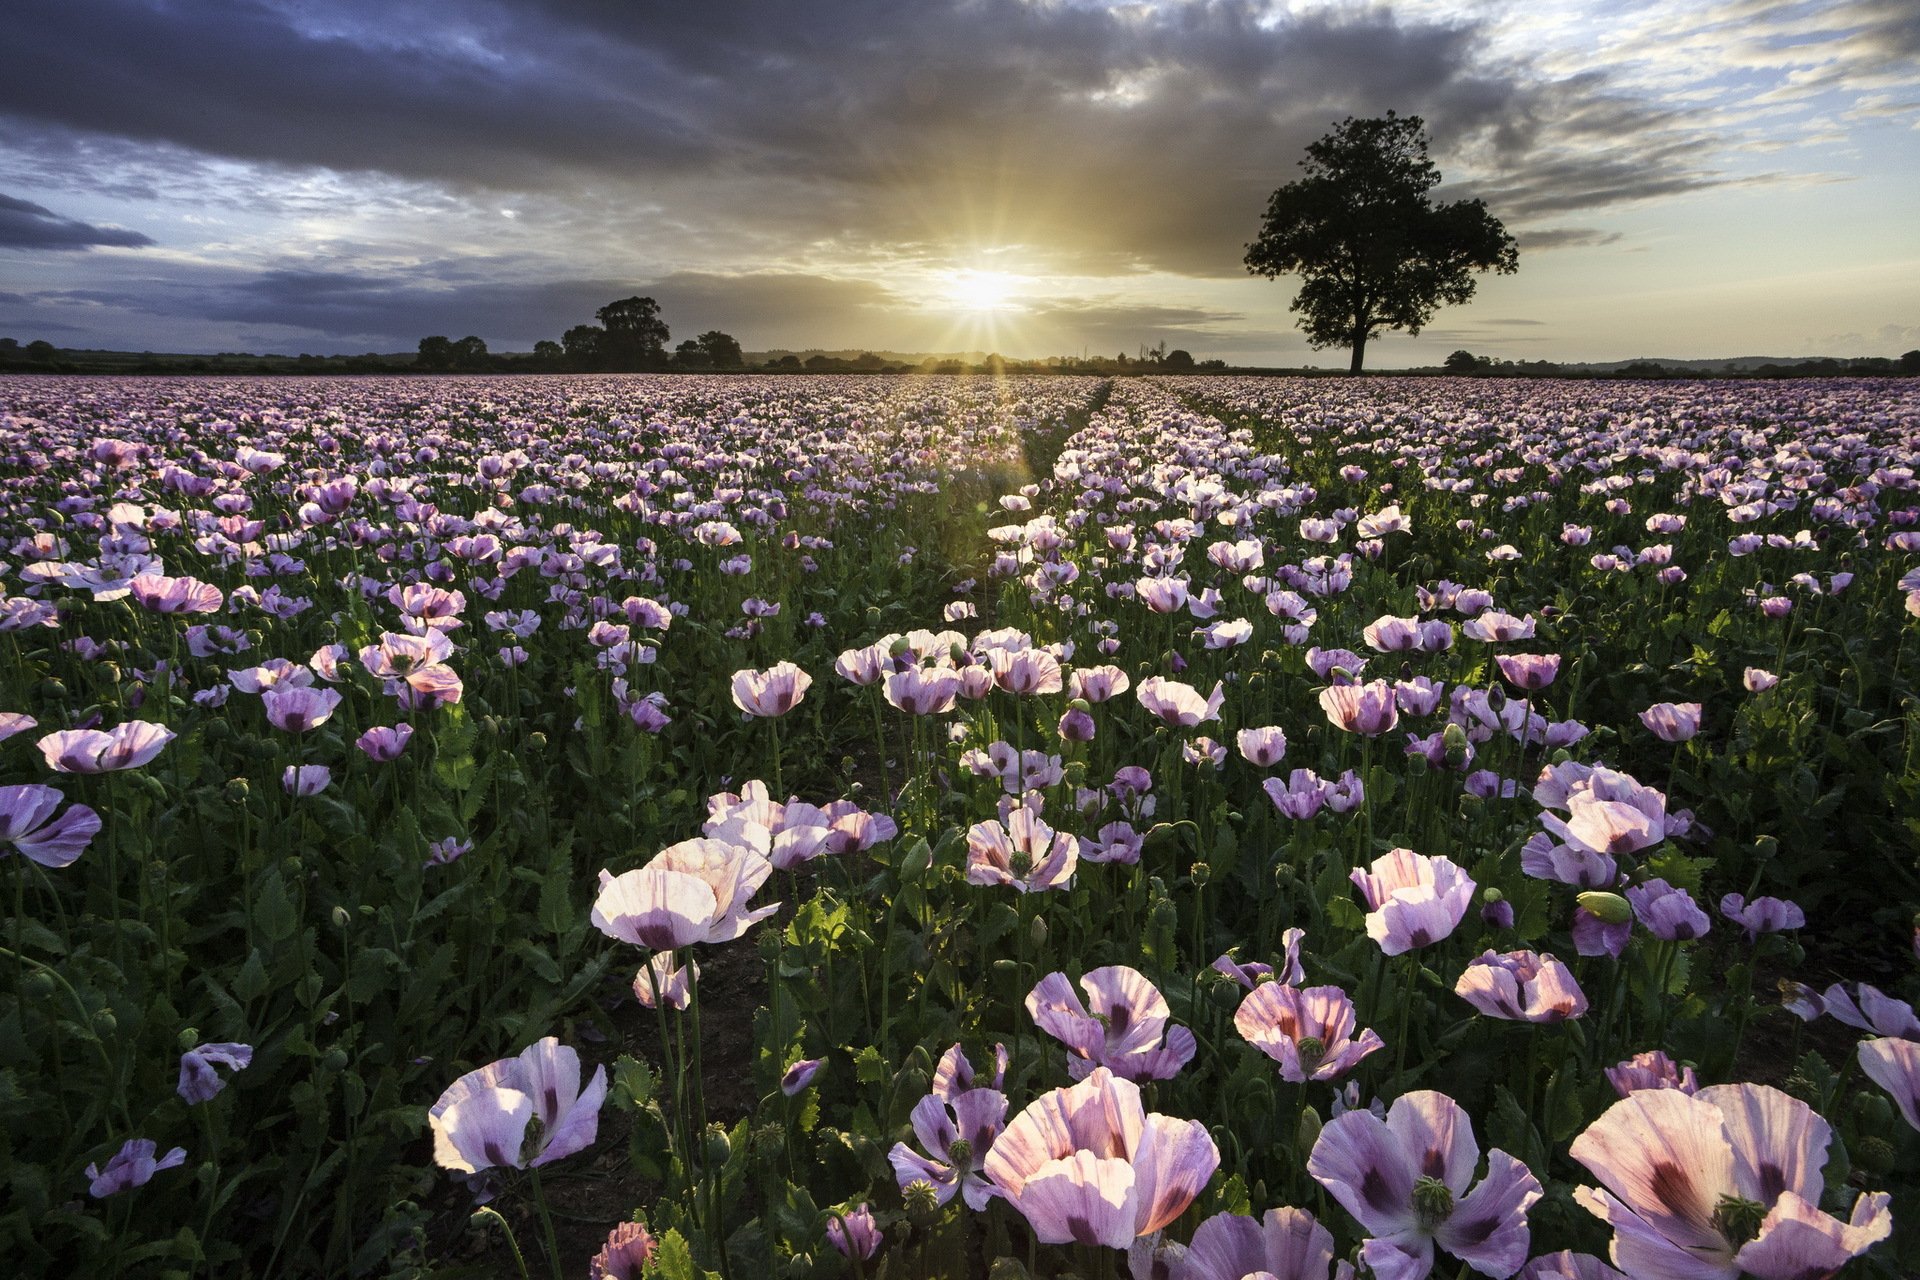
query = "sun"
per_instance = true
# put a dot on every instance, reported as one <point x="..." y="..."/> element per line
<point x="982" y="290"/>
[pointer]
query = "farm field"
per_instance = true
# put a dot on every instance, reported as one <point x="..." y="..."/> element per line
<point x="880" y="826"/>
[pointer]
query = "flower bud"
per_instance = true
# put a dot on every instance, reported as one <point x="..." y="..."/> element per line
<point x="1307" y="1132"/>
<point x="1608" y="908"/>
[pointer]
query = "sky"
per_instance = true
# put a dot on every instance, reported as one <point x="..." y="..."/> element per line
<point x="1035" y="177"/>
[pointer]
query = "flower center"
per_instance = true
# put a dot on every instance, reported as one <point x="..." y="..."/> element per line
<point x="1432" y="1202"/>
<point x="1738" y="1220"/>
<point x="1313" y="1050"/>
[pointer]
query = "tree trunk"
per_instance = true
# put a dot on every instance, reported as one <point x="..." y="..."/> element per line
<point x="1359" y="348"/>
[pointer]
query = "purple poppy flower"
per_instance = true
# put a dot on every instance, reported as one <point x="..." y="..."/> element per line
<point x="27" y="823"/>
<point x="483" y="1119"/>
<point x="199" y="1081"/>
<point x="1568" y="1265"/>
<point x="1254" y="972"/>
<point x="1287" y="1244"/>
<point x="12" y="722"/>
<point x="1582" y="868"/>
<point x="383" y="744"/>
<point x="1529" y="671"/>
<point x="296" y="709"/>
<point x="132" y="1166"/>
<point x="1870" y="1010"/>
<point x="1308" y="1031"/>
<point x="1762" y="915"/>
<point x="1301" y="796"/>
<point x="1672" y="721"/>
<point x="1409" y="1180"/>
<point x="1123" y="1026"/>
<point x="954" y="1075"/>
<point x="1724" y="1182"/>
<point x="798" y="1076"/>
<point x="1594" y="936"/>
<point x="125" y="746"/>
<point x="855" y="1233"/>
<point x="956" y="1130"/>
<point x="1088" y="1164"/>
<point x="305" y="779"/>
<point x="629" y="1247"/>
<point x="1651" y="1070"/>
<point x="1412" y="900"/>
<point x="1668" y="912"/>
<point x="1521" y="986"/>
<point x="1893" y="1063"/>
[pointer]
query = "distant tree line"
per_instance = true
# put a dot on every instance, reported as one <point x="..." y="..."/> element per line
<point x="1466" y="364"/>
<point x="630" y="338"/>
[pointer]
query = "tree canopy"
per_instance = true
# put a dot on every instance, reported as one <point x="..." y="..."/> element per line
<point x="1373" y="251"/>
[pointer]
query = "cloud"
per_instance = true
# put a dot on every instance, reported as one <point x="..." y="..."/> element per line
<point x="1095" y="140"/>
<point x="25" y="225"/>
<point x="1564" y="237"/>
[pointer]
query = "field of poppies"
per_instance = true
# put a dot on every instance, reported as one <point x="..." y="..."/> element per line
<point x="1195" y="828"/>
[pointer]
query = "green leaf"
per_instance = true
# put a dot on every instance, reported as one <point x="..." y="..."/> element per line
<point x="869" y="1067"/>
<point x="273" y="911"/>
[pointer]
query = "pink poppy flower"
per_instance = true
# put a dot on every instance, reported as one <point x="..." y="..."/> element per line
<point x="1758" y="680"/>
<point x="125" y="746"/>
<point x="923" y="691"/>
<point x="1651" y="1070"/>
<point x="770" y="693"/>
<point x="1412" y="900"/>
<point x="1308" y="1031"/>
<point x="1088" y="1165"/>
<point x="1098" y="684"/>
<point x="484" y="1119"/>
<point x="1287" y="1244"/>
<point x="1179" y="705"/>
<point x="663" y="979"/>
<point x="629" y="1247"/>
<point x="694" y="891"/>
<point x="1497" y="627"/>
<point x="1026" y="673"/>
<point x="1263" y="747"/>
<point x="1389" y="634"/>
<point x="159" y="594"/>
<point x="1025" y="853"/>
<point x="1720" y="1183"/>
<point x="1253" y="973"/>
<point x="1521" y="986"/>
<point x="1409" y="1180"/>
<point x="1123" y="1026"/>
<point x="1366" y="709"/>
<point x="1299" y="797"/>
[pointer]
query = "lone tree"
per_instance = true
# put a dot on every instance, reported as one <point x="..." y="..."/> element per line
<point x="1373" y="250"/>
<point x="636" y="335"/>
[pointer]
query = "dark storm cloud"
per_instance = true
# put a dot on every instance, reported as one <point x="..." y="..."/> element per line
<point x="25" y="225"/>
<point x="1103" y="140"/>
